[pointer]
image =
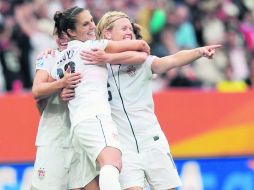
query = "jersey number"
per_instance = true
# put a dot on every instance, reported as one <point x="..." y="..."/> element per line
<point x="109" y="93"/>
<point x="60" y="71"/>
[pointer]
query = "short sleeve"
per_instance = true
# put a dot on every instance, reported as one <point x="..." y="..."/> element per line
<point x="43" y="64"/>
<point x="53" y="74"/>
<point x="98" y="44"/>
<point x="149" y="61"/>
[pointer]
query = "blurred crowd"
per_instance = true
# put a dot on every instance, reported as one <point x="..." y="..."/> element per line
<point x="26" y="28"/>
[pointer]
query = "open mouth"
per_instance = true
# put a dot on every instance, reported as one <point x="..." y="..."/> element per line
<point x="92" y="33"/>
<point x="127" y="37"/>
<point x="64" y="44"/>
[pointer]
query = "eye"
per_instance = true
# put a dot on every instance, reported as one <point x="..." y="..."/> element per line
<point x="85" y="24"/>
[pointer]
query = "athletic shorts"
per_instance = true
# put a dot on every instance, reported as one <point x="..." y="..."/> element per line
<point x="58" y="168"/>
<point x="94" y="134"/>
<point x="154" y="165"/>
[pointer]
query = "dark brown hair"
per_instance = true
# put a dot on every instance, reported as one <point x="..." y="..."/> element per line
<point x="137" y="31"/>
<point x="66" y="20"/>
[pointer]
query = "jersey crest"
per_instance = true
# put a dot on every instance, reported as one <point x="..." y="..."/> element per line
<point x="41" y="173"/>
<point x="131" y="70"/>
<point x="40" y="62"/>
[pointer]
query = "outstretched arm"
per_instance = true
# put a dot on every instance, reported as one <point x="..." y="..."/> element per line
<point x="100" y="56"/>
<point x="184" y="57"/>
<point x="127" y="45"/>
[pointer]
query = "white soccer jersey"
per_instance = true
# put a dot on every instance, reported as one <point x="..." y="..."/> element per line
<point x="54" y="125"/>
<point x="45" y="64"/>
<point x="91" y="94"/>
<point x="132" y="107"/>
<point x="58" y="163"/>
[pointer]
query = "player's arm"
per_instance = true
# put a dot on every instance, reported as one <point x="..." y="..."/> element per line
<point x="100" y="56"/>
<point x="127" y="45"/>
<point x="42" y="88"/>
<point x="44" y="85"/>
<point x="184" y="57"/>
<point x="67" y="94"/>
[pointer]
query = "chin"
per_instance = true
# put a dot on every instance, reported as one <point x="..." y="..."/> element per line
<point x="91" y="38"/>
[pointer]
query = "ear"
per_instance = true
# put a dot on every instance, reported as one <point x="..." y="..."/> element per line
<point x="71" y="33"/>
<point x="107" y="34"/>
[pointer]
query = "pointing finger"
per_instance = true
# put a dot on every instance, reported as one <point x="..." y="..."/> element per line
<point x="213" y="47"/>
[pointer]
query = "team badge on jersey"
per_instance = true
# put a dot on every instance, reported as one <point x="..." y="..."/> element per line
<point x="131" y="70"/>
<point x="115" y="135"/>
<point x="41" y="173"/>
<point x="39" y="63"/>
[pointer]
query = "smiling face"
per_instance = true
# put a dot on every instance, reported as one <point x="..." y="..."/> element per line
<point x="115" y="25"/>
<point x="84" y="27"/>
<point x="62" y="42"/>
<point x="121" y="30"/>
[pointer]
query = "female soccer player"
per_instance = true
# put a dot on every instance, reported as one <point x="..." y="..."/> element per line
<point x="91" y="123"/>
<point x="57" y="166"/>
<point x="146" y="152"/>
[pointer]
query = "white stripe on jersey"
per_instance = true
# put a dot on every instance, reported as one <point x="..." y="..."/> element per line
<point x="132" y="104"/>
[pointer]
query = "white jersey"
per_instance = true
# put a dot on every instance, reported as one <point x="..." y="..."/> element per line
<point x="54" y="125"/>
<point x="91" y="93"/>
<point x="132" y="106"/>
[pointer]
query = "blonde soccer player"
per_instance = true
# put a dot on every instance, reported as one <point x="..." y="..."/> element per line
<point x="91" y="124"/>
<point x="146" y="152"/>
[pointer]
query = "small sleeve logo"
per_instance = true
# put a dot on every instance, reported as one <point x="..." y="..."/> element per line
<point x="41" y="173"/>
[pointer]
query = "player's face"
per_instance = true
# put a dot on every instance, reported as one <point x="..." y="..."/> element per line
<point x="62" y="42"/>
<point x="122" y="30"/>
<point x="85" y="27"/>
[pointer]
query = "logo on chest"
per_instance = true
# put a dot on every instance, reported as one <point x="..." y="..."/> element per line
<point x="131" y="70"/>
<point x="41" y="173"/>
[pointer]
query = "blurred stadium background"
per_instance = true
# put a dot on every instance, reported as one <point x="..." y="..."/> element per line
<point x="206" y="109"/>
